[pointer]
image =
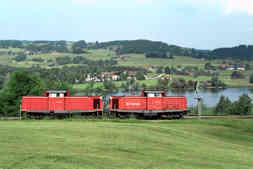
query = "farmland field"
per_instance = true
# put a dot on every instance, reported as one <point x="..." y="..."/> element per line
<point x="76" y="144"/>
<point x="117" y="83"/>
<point x="103" y="54"/>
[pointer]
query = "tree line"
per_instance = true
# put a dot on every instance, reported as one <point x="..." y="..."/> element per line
<point x="23" y="83"/>
<point x="73" y="74"/>
<point x="243" y="106"/>
<point x="241" y="52"/>
<point x="46" y="46"/>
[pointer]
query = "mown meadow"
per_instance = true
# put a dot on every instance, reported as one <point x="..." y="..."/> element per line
<point x="76" y="144"/>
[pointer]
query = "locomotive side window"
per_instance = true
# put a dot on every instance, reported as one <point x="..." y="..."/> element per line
<point x="52" y="95"/>
<point x="151" y="95"/>
<point x="158" y="94"/>
<point x="56" y="94"/>
<point x="154" y="94"/>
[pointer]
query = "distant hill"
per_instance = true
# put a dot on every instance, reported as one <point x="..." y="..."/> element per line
<point x="241" y="52"/>
<point x="143" y="46"/>
<point x="153" y="49"/>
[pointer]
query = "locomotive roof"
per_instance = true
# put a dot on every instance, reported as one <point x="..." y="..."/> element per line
<point x="56" y="91"/>
<point x="154" y="91"/>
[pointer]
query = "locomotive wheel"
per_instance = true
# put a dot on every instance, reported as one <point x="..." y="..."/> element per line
<point x="177" y="116"/>
<point x="124" y="116"/>
<point x="138" y="116"/>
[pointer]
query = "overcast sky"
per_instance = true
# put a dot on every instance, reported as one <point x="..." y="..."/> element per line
<point x="203" y="24"/>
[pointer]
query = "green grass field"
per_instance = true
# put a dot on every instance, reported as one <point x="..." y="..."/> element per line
<point x="103" y="54"/>
<point x="117" y="83"/>
<point x="96" y="144"/>
<point x="141" y="60"/>
<point x="99" y="54"/>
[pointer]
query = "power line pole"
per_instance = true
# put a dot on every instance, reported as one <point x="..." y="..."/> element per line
<point x="199" y="99"/>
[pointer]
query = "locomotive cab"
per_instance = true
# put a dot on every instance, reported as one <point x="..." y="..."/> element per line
<point x="56" y="93"/>
<point x="152" y="93"/>
<point x="56" y="100"/>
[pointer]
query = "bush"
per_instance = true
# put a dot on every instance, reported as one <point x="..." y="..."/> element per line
<point x="20" y="57"/>
<point x="242" y="106"/>
<point x="156" y="54"/>
<point x="162" y="84"/>
<point x="237" y="75"/>
<point x="63" y="60"/>
<point x="20" y="84"/>
<point x="38" y="60"/>
<point x="251" y="78"/>
<point x="224" y="106"/>
<point x="140" y="76"/>
<point x="216" y="82"/>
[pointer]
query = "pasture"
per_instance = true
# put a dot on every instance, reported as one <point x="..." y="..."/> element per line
<point x="141" y="60"/>
<point x="152" y="82"/>
<point x="77" y="144"/>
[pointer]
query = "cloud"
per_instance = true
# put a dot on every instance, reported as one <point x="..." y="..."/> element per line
<point x="117" y="1"/>
<point x="144" y="1"/>
<point x="242" y="6"/>
<point x="250" y="29"/>
<point x="228" y="6"/>
<point x="87" y="1"/>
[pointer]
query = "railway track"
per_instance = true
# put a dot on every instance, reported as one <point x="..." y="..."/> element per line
<point x="185" y="117"/>
<point x="219" y="116"/>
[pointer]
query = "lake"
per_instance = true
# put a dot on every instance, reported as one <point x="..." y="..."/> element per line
<point x="210" y="96"/>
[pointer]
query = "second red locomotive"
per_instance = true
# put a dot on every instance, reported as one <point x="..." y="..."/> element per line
<point x="149" y="104"/>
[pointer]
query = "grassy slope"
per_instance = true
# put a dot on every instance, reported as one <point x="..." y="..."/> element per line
<point x="191" y="144"/>
<point x="117" y="83"/>
<point x="141" y="60"/>
<point x="99" y="54"/>
<point x="102" y="54"/>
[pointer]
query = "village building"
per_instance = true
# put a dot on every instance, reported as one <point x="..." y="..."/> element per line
<point x="241" y="68"/>
<point x="131" y="75"/>
<point x="110" y="76"/>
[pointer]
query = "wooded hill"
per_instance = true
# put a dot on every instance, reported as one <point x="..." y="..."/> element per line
<point x="143" y="46"/>
<point x="158" y="49"/>
<point x="152" y="49"/>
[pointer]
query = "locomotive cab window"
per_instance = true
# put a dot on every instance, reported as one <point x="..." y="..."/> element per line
<point x="52" y="95"/>
<point x="56" y="94"/>
<point x="154" y="95"/>
<point x="151" y="95"/>
<point x="158" y="95"/>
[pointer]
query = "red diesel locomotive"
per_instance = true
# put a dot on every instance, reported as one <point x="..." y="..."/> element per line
<point x="60" y="102"/>
<point x="149" y="104"/>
